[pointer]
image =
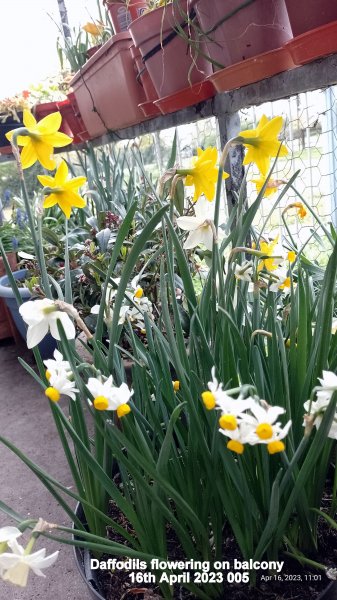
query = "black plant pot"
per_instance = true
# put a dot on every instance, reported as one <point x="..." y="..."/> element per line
<point x="83" y="556"/>
<point x="7" y="126"/>
<point x="82" y="559"/>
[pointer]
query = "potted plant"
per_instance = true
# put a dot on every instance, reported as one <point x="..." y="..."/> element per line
<point x="165" y="37"/>
<point x="236" y="31"/>
<point x="309" y="14"/>
<point x="11" y="117"/>
<point x="122" y="13"/>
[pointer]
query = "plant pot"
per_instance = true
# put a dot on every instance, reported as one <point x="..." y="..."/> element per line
<point x="148" y="108"/>
<point x="257" y="28"/>
<point x="42" y="110"/>
<point x="172" y="63"/>
<point x="305" y="15"/>
<point x="122" y="14"/>
<point x="8" y="125"/>
<point x="7" y="327"/>
<point x="93" y="50"/>
<point x="313" y="44"/>
<point x="71" y="115"/>
<point x="107" y="90"/>
<point x="48" y="344"/>
<point x="82" y="559"/>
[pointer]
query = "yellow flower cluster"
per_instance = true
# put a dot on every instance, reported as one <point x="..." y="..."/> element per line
<point x="38" y="140"/>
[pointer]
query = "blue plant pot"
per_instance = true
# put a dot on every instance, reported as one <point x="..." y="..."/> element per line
<point x="48" y="344"/>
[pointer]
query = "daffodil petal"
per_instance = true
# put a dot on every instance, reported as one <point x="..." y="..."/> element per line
<point x="46" y="180"/>
<point x="28" y="156"/>
<point x="28" y="119"/>
<point x="50" y="201"/>
<point x="74" y="184"/>
<point x="61" y="174"/>
<point x="57" y="139"/>
<point x="50" y="124"/>
<point x="44" y="154"/>
<point x="65" y="207"/>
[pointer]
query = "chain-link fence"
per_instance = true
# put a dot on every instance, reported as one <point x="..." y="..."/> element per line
<point x="310" y="132"/>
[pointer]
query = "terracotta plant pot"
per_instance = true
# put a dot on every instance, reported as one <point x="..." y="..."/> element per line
<point x="305" y="15"/>
<point x="172" y="63"/>
<point x="314" y="44"/>
<point x="257" y="28"/>
<point x="42" y="110"/>
<point x="107" y="90"/>
<point x="123" y="13"/>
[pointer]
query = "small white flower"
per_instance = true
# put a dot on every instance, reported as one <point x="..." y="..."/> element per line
<point x="329" y="385"/>
<point x="233" y="410"/>
<point x="41" y="316"/>
<point x="318" y="408"/>
<point x="282" y="283"/>
<point x="244" y="271"/>
<point x="16" y="564"/>
<point x="243" y="434"/>
<point x="57" y="363"/>
<point x="7" y="534"/>
<point x="266" y="429"/>
<point x="109" y="397"/>
<point x="200" y="226"/>
<point x="60" y="385"/>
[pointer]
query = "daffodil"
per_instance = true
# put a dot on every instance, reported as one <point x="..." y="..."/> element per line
<point x="211" y="396"/>
<point x="271" y="187"/>
<point x="328" y="385"/>
<point x="200" y="226"/>
<point x="203" y="174"/>
<point x="15" y="565"/>
<point x="233" y="411"/>
<point x="266" y="429"/>
<point x="56" y="364"/>
<point x="109" y="397"/>
<point x="262" y="143"/>
<point x="281" y="282"/>
<point x="40" y="139"/>
<point x="272" y="258"/>
<point x="95" y="29"/>
<point x="317" y="410"/>
<point x="7" y="535"/>
<point x="42" y="316"/>
<point x="239" y="437"/>
<point x="61" y="190"/>
<point x="60" y="385"/>
<point x="244" y="272"/>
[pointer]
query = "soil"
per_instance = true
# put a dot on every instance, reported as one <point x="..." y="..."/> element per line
<point x="297" y="582"/>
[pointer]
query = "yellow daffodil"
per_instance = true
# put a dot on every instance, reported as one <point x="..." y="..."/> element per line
<point x="95" y="29"/>
<point x="291" y="256"/>
<point x="272" y="185"/>
<point x="262" y="143"/>
<point x="268" y="249"/>
<point x="301" y="211"/>
<point x="62" y="191"/>
<point x="203" y="174"/>
<point x="40" y="139"/>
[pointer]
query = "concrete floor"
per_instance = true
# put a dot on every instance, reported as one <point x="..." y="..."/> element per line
<point x="25" y="419"/>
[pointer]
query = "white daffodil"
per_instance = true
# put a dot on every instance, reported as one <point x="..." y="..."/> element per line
<point x="201" y="226"/>
<point x="211" y="398"/>
<point x="244" y="271"/>
<point x="57" y="363"/>
<point x="60" y="385"/>
<point x="41" y="316"/>
<point x="109" y="296"/>
<point x="329" y="385"/>
<point x="317" y="410"/>
<point x="7" y="535"/>
<point x="282" y="283"/>
<point x="233" y="410"/>
<point x="239" y="437"/>
<point x="109" y="397"/>
<point x="16" y="564"/>
<point x="266" y="429"/>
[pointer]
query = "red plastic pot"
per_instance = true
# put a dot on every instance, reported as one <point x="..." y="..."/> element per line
<point x="123" y="13"/>
<point x="305" y="15"/>
<point x="252" y="70"/>
<point x="93" y="50"/>
<point x="42" y="110"/>
<point x="107" y="90"/>
<point x="148" y="109"/>
<point x="172" y="63"/>
<point x="71" y="115"/>
<point x="314" y="44"/>
<point x="257" y="28"/>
